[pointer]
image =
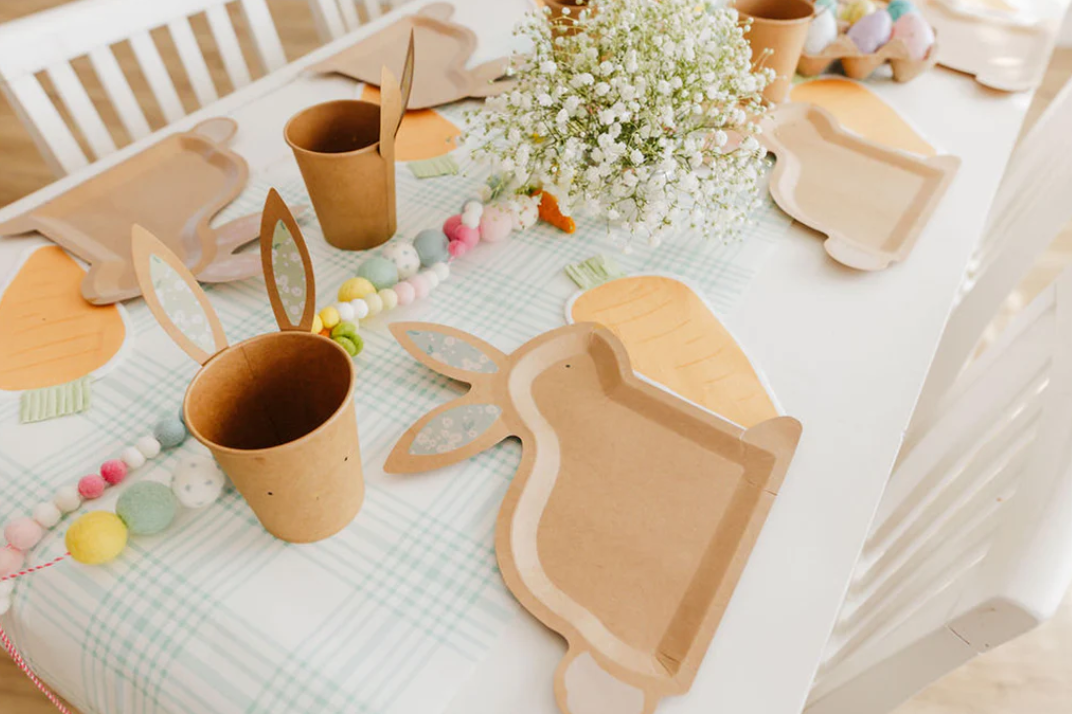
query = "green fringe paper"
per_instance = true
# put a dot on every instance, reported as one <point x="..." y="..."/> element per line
<point x="430" y="168"/>
<point x="52" y="402"/>
<point x="594" y="271"/>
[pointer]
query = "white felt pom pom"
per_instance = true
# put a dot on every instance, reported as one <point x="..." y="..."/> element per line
<point x="360" y="308"/>
<point x="442" y="271"/>
<point x="67" y="499"/>
<point x="132" y="457"/>
<point x="345" y="310"/>
<point x="148" y="446"/>
<point x="197" y="481"/>
<point x="431" y="278"/>
<point x="473" y="206"/>
<point x="47" y="514"/>
<point x="471" y="219"/>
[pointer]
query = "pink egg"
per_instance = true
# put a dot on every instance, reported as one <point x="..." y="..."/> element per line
<point x="405" y="293"/>
<point x="23" y="533"/>
<point x="916" y="33"/>
<point x="495" y="224"/>
<point x="871" y="31"/>
<point x="421" y="288"/>
<point x="91" y="486"/>
<point x="11" y="561"/>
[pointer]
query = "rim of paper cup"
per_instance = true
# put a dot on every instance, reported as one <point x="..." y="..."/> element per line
<point x="212" y="445"/>
<point x="311" y="152"/>
<point x="781" y="21"/>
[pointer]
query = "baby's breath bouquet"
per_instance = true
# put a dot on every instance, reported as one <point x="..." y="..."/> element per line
<point x="646" y="113"/>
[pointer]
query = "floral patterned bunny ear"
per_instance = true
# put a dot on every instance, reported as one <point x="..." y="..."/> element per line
<point x="176" y="300"/>
<point x="288" y="270"/>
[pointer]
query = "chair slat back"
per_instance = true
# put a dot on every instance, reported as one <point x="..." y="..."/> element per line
<point x="69" y="131"/>
<point x="334" y="18"/>
<point x="1029" y="211"/>
<point x="972" y="544"/>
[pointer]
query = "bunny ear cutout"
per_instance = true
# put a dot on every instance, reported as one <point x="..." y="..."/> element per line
<point x="288" y="270"/>
<point x="391" y="113"/>
<point x="176" y="300"/>
<point x="448" y="351"/>
<point x="449" y="434"/>
<point x="407" y="80"/>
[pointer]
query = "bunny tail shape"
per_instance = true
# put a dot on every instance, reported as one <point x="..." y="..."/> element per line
<point x="582" y="686"/>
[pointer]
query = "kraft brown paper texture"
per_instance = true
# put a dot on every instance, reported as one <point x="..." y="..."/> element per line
<point x="632" y="514"/>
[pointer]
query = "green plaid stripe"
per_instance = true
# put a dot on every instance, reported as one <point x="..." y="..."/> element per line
<point x="217" y="616"/>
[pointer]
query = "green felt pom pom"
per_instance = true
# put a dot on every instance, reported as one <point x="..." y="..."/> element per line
<point x="147" y="507"/>
<point x="170" y="433"/>
<point x="897" y="8"/>
<point x="382" y="273"/>
<point x="431" y="245"/>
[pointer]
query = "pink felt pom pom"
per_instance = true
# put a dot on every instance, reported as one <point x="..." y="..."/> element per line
<point x="91" y="486"/>
<point x="457" y="248"/>
<point x="23" y="533"/>
<point x="405" y="293"/>
<point x="113" y="471"/>
<point x="455" y="230"/>
<point x="421" y="288"/>
<point x="11" y="561"/>
<point x="495" y="224"/>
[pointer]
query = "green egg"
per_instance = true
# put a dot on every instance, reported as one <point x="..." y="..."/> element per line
<point x="147" y="507"/>
<point x="381" y="272"/>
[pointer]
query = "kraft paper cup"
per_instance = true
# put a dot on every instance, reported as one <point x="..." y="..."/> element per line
<point x="351" y="185"/>
<point x="277" y="413"/>
<point x="779" y="29"/>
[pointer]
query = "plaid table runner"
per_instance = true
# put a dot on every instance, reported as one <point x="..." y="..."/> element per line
<point x="391" y="615"/>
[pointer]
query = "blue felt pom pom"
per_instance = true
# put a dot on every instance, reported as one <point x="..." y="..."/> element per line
<point x="170" y="433"/>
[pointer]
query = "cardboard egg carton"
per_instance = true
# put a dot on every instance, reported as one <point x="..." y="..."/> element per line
<point x="858" y="65"/>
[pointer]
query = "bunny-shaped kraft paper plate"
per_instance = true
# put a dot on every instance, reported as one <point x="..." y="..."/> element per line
<point x="275" y="410"/>
<point x="443" y="51"/>
<point x="175" y="188"/>
<point x="632" y="513"/>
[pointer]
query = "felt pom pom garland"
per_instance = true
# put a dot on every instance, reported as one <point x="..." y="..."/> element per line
<point x="101" y="536"/>
<point x="408" y="271"/>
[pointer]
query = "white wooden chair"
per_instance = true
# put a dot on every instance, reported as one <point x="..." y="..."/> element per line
<point x="48" y="41"/>
<point x="334" y="18"/>
<point x="972" y="545"/>
<point x="1031" y="207"/>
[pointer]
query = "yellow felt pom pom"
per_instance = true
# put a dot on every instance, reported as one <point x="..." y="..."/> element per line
<point x="318" y="325"/>
<point x="97" y="537"/>
<point x="329" y="317"/>
<point x="355" y="288"/>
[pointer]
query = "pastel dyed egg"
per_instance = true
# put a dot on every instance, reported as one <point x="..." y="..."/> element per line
<point x="405" y="258"/>
<point x="898" y="8"/>
<point x="147" y="508"/>
<point x="916" y="33"/>
<point x="355" y="289"/>
<point x="495" y="224"/>
<point x="381" y="272"/>
<point x="821" y="32"/>
<point x="871" y="32"/>
<point x="197" y="481"/>
<point x="431" y="246"/>
<point x="855" y="11"/>
<point x="97" y="537"/>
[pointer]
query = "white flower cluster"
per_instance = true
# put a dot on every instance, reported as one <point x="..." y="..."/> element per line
<point x="646" y="112"/>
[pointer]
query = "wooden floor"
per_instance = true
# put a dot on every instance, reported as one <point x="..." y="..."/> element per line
<point x="1030" y="676"/>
